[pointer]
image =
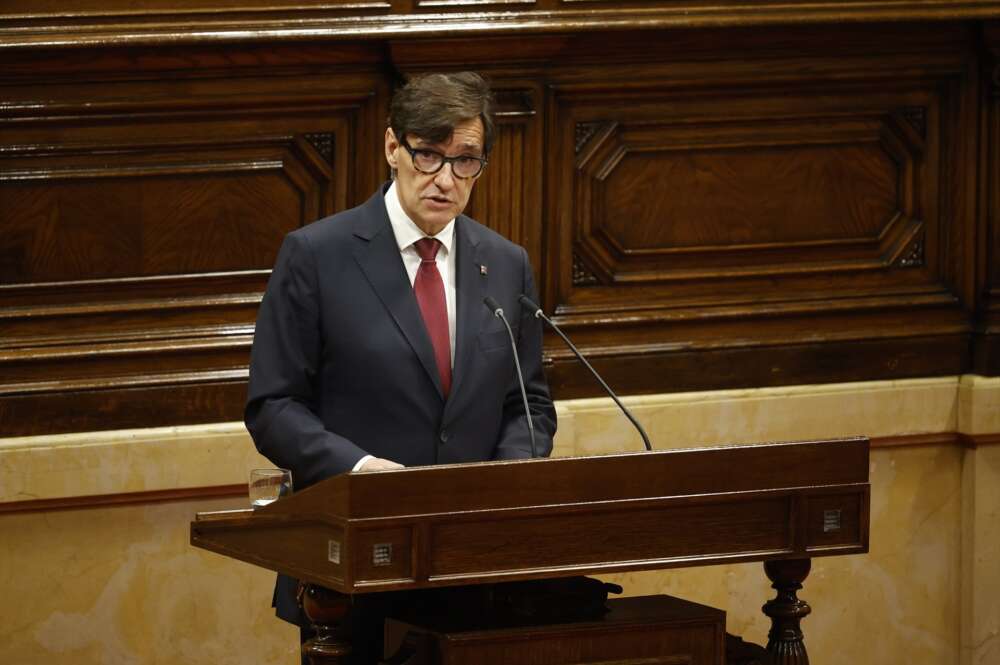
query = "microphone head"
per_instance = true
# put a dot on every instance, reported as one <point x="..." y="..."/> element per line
<point x="493" y="305"/>
<point x="530" y="304"/>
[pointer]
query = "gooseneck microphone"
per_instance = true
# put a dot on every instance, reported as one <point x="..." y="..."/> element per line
<point x="539" y="314"/>
<point x="497" y="310"/>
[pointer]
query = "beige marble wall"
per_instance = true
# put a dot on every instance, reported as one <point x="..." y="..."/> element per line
<point x="981" y="557"/>
<point x="122" y="585"/>
<point x="680" y="420"/>
<point x="980" y="414"/>
<point x="164" y="458"/>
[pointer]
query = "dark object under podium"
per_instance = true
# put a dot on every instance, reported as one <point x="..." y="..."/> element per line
<point x="474" y="524"/>
<point x="651" y="630"/>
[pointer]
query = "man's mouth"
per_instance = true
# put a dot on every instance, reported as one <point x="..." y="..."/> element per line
<point x="441" y="200"/>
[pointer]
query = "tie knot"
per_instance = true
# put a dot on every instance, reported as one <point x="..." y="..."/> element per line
<point x="427" y="248"/>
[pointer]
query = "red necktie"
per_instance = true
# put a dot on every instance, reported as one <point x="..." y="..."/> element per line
<point x="429" y="289"/>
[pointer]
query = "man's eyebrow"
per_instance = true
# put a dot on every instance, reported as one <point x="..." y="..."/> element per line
<point x="424" y="145"/>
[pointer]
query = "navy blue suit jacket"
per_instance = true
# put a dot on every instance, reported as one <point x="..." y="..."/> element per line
<point x="342" y="365"/>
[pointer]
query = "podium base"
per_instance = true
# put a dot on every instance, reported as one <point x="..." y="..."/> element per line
<point x="647" y="630"/>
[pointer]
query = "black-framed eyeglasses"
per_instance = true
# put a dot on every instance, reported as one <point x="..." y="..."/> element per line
<point x="430" y="162"/>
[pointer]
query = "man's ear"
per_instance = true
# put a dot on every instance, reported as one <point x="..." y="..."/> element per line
<point x="391" y="147"/>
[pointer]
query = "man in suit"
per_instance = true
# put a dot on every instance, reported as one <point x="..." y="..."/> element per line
<point x="373" y="348"/>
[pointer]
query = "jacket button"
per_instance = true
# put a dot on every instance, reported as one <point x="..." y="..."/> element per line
<point x="443" y="436"/>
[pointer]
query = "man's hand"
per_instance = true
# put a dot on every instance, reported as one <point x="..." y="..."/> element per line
<point x="379" y="464"/>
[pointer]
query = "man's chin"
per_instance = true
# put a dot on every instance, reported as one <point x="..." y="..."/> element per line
<point x="435" y="218"/>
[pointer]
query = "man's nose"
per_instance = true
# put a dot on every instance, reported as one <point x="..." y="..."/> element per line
<point x="445" y="178"/>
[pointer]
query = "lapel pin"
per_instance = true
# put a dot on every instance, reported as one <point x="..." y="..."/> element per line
<point x="482" y="270"/>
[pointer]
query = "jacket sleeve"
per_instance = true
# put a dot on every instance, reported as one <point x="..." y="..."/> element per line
<point x="515" y="441"/>
<point x="282" y="409"/>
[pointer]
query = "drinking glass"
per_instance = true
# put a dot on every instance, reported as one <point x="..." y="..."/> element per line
<point x="269" y="485"/>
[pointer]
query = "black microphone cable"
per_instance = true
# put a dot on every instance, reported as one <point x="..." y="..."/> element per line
<point x="539" y="314"/>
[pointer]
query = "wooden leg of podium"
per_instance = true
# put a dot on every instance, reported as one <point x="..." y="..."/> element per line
<point x="785" y="644"/>
<point x="326" y="610"/>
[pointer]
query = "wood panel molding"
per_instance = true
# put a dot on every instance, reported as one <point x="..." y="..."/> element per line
<point x="910" y="440"/>
<point x="868" y="222"/>
<point x="125" y="499"/>
<point x="64" y="25"/>
<point x="105" y="403"/>
<point x="970" y="441"/>
<point x="654" y="367"/>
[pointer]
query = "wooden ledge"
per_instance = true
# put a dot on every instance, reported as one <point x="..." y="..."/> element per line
<point x="26" y="31"/>
<point x="124" y="499"/>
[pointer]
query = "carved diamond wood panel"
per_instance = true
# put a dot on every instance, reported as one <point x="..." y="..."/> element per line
<point x="701" y="199"/>
<point x="660" y="201"/>
<point x="742" y="220"/>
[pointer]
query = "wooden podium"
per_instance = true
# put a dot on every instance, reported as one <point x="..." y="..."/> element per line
<point x="475" y="524"/>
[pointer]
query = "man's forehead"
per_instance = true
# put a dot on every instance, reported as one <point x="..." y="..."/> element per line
<point x="466" y="135"/>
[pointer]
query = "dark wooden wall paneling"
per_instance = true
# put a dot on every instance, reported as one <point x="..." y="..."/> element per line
<point x="706" y="208"/>
<point x="987" y="346"/>
<point x="762" y="220"/>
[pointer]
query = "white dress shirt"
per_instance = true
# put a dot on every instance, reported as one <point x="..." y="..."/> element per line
<point x="407" y="233"/>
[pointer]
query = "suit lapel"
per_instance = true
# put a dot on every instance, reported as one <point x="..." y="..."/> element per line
<point x="380" y="261"/>
<point x="470" y="287"/>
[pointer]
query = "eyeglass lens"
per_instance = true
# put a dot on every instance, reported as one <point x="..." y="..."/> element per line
<point x="428" y="161"/>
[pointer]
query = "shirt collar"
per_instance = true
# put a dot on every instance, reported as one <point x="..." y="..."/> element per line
<point x="406" y="230"/>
